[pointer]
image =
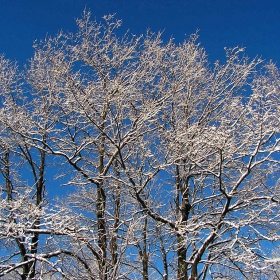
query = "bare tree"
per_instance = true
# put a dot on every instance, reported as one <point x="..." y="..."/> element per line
<point x="174" y="162"/>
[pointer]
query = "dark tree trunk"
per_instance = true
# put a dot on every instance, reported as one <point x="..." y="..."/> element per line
<point x="100" y="211"/>
<point x="183" y="208"/>
<point x="145" y="257"/>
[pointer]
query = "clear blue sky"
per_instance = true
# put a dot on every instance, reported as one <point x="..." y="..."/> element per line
<point x="252" y="24"/>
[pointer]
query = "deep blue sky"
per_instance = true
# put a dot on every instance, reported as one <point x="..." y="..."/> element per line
<point x="252" y="24"/>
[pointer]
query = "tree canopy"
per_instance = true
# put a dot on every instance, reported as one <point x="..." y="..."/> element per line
<point x="173" y="161"/>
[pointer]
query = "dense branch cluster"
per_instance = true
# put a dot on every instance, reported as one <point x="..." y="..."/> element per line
<point x="170" y="165"/>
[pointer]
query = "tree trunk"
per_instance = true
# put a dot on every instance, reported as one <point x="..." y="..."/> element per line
<point x="102" y="239"/>
<point x="181" y="253"/>
<point x="182" y="211"/>
<point x="100" y="210"/>
<point x="145" y="257"/>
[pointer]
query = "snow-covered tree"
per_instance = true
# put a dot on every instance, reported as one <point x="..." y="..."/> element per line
<point x="174" y="162"/>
